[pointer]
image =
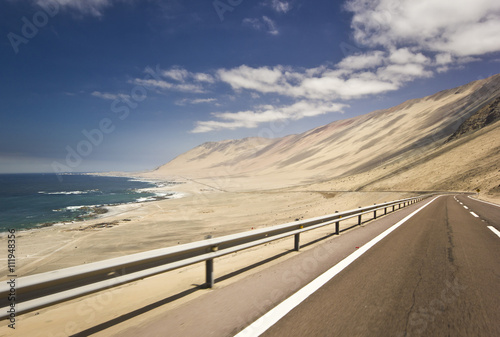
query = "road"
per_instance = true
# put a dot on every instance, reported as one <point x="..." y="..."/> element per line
<point x="436" y="275"/>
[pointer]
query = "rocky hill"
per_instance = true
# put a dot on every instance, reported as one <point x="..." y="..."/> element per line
<point x="485" y="116"/>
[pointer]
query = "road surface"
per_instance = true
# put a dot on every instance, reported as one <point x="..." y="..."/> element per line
<point x="436" y="275"/>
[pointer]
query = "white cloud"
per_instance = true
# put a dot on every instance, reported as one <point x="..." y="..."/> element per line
<point x="262" y="79"/>
<point x="271" y="26"/>
<point x="263" y="24"/>
<point x="459" y="27"/>
<point x="176" y="79"/>
<point x="177" y="74"/>
<point x="362" y="61"/>
<point x="86" y="7"/>
<point x="401" y="73"/>
<point x="165" y="85"/>
<point x="443" y="59"/>
<point x="404" y="56"/>
<point x="320" y="83"/>
<point x="266" y="113"/>
<point x="280" y="6"/>
<point x="202" y="77"/>
<point x="109" y="96"/>
<point x="185" y="101"/>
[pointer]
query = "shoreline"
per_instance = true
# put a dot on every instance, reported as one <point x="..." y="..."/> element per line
<point x="133" y="228"/>
<point x="161" y="191"/>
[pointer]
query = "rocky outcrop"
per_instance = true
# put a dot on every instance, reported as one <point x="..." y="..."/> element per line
<point x="485" y="116"/>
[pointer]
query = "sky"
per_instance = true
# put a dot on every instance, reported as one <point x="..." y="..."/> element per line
<point x="127" y="85"/>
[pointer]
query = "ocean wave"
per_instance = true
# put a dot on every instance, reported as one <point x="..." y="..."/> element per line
<point x="145" y="199"/>
<point x="160" y="196"/>
<point x="76" y="208"/>
<point x="68" y="192"/>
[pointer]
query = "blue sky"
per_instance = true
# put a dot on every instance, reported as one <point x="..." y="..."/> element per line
<point x="125" y="85"/>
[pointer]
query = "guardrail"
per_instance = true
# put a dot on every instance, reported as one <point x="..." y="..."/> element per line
<point x="45" y="289"/>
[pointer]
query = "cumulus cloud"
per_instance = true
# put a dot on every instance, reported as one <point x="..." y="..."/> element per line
<point x="318" y="83"/>
<point x="363" y="61"/>
<point x="266" y="113"/>
<point x="458" y="27"/>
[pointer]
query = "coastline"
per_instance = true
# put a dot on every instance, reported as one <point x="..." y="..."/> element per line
<point x="162" y="190"/>
<point x="196" y="212"/>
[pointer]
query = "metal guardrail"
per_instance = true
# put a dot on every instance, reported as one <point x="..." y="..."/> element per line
<point x="45" y="289"/>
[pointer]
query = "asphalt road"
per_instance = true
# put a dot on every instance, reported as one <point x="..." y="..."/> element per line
<point x="436" y="275"/>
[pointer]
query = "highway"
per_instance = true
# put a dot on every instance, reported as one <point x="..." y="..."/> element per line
<point x="436" y="275"/>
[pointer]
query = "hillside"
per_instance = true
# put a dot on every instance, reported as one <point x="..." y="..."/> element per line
<point x="488" y="114"/>
<point x="365" y="152"/>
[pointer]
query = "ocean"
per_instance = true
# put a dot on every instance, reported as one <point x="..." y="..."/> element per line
<point x="36" y="200"/>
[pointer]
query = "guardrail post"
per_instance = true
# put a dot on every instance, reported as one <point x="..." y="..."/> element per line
<point x="385" y="210"/>
<point x="375" y="213"/>
<point x="337" y="226"/>
<point x="297" y="242"/>
<point x="359" y="218"/>
<point x="210" y="273"/>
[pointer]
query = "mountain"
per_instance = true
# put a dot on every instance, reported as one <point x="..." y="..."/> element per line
<point x="457" y="129"/>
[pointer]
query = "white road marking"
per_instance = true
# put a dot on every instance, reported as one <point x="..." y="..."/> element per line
<point x="477" y="216"/>
<point x="486" y="202"/>
<point x="494" y="230"/>
<point x="274" y="315"/>
<point x="466" y="207"/>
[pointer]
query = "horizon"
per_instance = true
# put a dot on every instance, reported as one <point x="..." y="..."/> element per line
<point x="128" y="86"/>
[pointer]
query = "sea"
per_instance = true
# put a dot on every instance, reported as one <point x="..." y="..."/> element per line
<point x="30" y="201"/>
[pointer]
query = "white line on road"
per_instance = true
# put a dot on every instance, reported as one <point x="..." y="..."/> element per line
<point x="466" y="207"/>
<point x="274" y="315"/>
<point x="477" y="216"/>
<point x="494" y="230"/>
